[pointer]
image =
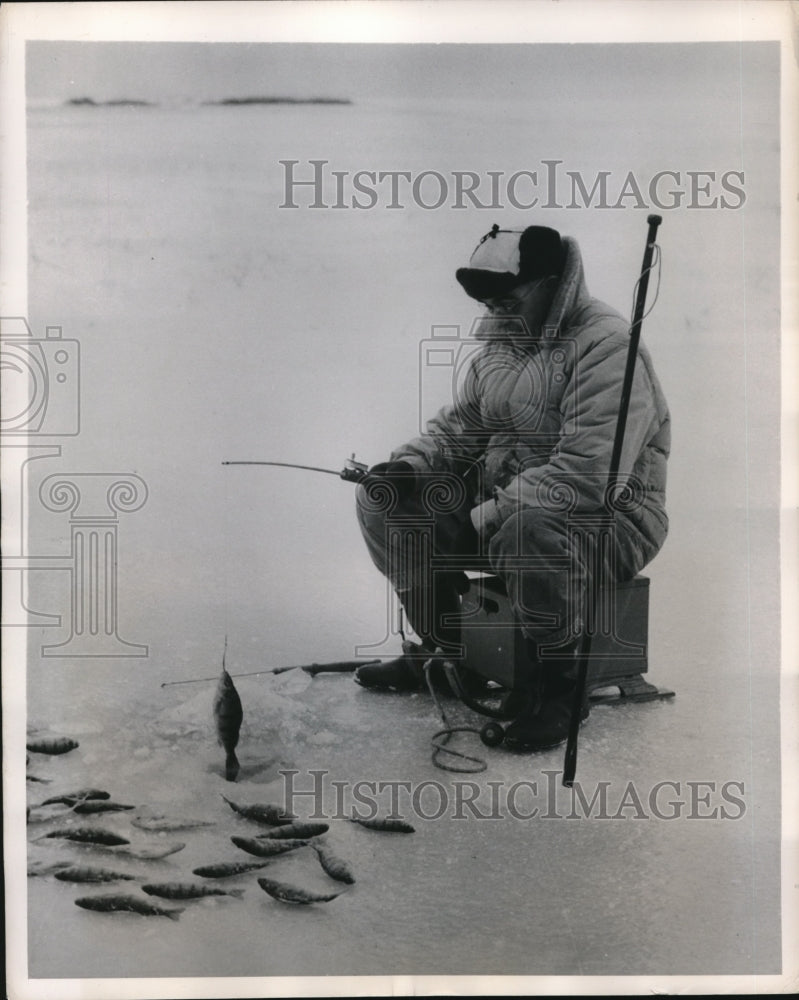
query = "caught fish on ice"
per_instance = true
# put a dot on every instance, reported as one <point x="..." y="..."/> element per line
<point x="86" y="807"/>
<point x="267" y="815"/>
<point x="72" y="798"/>
<point x="293" y="894"/>
<point x="128" y="904"/>
<point x="267" y="848"/>
<point x="86" y="873"/>
<point x="52" y="746"/>
<point x="160" y="823"/>
<point x="334" y="866"/>
<point x="226" y="869"/>
<point x="43" y="815"/>
<point x="37" y="869"/>
<point x="385" y="825"/>
<point x="228" y="716"/>
<point x="88" y="835"/>
<point x="187" y="890"/>
<point x="150" y="853"/>
<point x="295" y="830"/>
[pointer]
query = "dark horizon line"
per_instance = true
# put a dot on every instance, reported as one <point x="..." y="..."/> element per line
<point x="222" y="102"/>
<point x="281" y="100"/>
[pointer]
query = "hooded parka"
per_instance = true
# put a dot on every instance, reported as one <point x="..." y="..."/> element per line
<point x="533" y="418"/>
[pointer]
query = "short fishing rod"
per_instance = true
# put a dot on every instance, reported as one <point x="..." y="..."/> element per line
<point x="570" y="760"/>
<point x="353" y="472"/>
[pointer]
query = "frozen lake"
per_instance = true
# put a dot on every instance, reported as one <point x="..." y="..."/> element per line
<point x="215" y="326"/>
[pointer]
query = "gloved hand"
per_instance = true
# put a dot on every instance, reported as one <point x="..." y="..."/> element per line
<point x="401" y="475"/>
<point x="485" y="518"/>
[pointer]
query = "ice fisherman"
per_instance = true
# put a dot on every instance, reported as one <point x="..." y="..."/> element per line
<point x="528" y="435"/>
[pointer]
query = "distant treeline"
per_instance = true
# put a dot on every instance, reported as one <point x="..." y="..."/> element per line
<point x="111" y="104"/>
<point x="130" y="102"/>
<point x="281" y="100"/>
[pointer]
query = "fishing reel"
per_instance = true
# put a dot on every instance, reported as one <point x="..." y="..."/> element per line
<point x="353" y="471"/>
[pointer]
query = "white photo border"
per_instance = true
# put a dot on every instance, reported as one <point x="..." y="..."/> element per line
<point x="540" y="21"/>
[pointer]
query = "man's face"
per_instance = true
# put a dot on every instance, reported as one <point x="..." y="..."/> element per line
<point x="530" y="301"/>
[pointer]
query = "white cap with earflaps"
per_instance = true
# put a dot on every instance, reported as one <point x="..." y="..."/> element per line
<point x="505" y="257"/>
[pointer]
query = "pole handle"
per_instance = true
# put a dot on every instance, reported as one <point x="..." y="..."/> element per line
<point x="339" y="667"/>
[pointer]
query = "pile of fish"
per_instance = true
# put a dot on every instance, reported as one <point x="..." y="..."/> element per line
<point x="280" y="833"/>
<point x="286" y="834"/>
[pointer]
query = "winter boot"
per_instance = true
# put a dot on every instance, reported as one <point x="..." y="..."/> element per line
<point x="545" y="723"/>
<point x="403" y="674"/>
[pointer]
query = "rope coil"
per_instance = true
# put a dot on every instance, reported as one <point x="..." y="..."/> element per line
<point x="446" y="734"/>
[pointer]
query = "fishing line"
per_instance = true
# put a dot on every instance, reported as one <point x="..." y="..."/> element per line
<point x="480" y="764"/>
<point x="226" y="613"/>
